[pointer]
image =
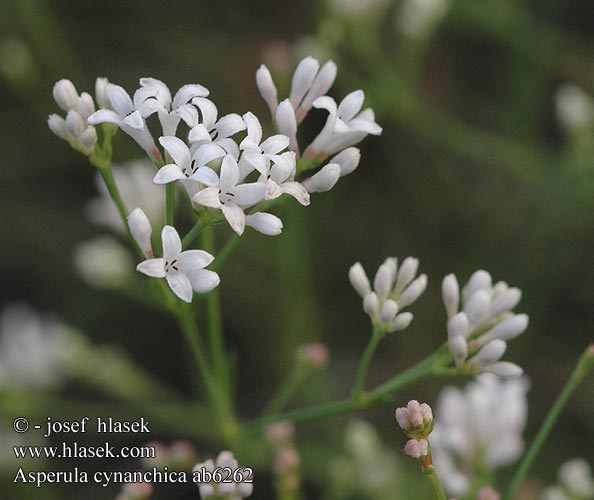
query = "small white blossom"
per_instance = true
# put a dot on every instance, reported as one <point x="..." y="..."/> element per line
<point x="481" y="424"/>
<point x="229" y="196"/>
<point x="345" y="126"/>
<point x="575" y="108"/>
<point x="392" y="291"/>
<point x="125" y="113"/>
<point x="223" y="490"/>
<point x="183" y="270"/>
<point x="74" y="127"/>
<point x="485" y="323"/>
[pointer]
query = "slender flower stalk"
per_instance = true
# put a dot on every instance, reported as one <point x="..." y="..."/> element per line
<point x="584" y="366"/>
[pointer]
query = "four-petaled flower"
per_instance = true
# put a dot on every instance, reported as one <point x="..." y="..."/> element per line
<point x="183" y="270"/>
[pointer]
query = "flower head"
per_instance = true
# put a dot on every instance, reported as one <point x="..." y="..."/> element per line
<point x="184" y="271"/>
<point x="415" y="419"/>
<point x="393" y="290"/>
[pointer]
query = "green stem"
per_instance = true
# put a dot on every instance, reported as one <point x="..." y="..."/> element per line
<point x="431" y="474"/>
<point x="364" y="363"/>
<point x="192" y="234"/>
<point x="227" y="250"/>
<point x="169" y="203"/>
<point x="421" y="370"/>
<point x="583" y="367"/>
<point x="286" y="391"/>
<point x="215" y="325"/>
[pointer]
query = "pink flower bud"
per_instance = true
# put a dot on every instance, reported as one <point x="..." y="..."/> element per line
<point x="416" y="448"/>
<point x="314" y="354"/>
<point x="280" y="432"/>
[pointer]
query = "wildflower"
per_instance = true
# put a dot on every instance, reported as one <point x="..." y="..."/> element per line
<point x="393" y="290"/>
<point x="183" y="270"/>
<point x="415" y="419"/>
<point x="126" y="115"/>
<point x="485" y="324"/>
<point x="155" y="97"/>
<point x="345" y="126"/>
<point x="74" y="128"/>
<point x="223" y="490"/>
<point x="141" y="230"/>
<point x="481" y="424"/>
<point x="230" y="197"/>
<point x="103" y="262"/>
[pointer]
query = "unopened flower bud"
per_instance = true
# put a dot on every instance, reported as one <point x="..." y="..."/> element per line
<point x="280" y="432"/>
<point x="371" y="304"/>
<point x="264" y="223"/>
<point x="103" y="101"/>
<point x="267" y="88"/>
<point x="416" y="448"/>
<point x="489" y="354"/>
<point x="477" y="307"/>
<point x="458" y="326"/>
<point x="505" y="301"/>
<point x="508" y="329"/>
<point x="406" y="273"/>
<point x="88" y="138"/>
<point x="321" y="84"/>
<point x="576" y="476"/>
<point x="348" y="160"/>
<point x="388" y="311"/>
<point x="384" y="277"/>
<point x="480" y="280"/>
<point x="314" y="355"/>
<point x="359" y="280"/>
<point x="286" y="124"/>
<point x="57" y="125"/>
<point x="286" y="460"/>
<point x="75" y="124"/>
<point x="413" y="291"/>
<point x="450" y="291"/>
<point x="400" y="322"/>
<point x="85" y="105"/>
<point x="459" y="347"/>
<point x="141" y="230"/>
<point x="505" y="369"/>
<point x="324" y="180"/>
<point x="303" y="79"/>
<point x="416" y="420"/>
<point x="65" y="94"/>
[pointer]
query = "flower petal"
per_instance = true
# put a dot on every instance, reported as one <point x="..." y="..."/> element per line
<point x="273" y="190"/>
<point x="208" y="152"/>
<point x="188" y="114"/>
<point x="264" y="223"/>
<point x="172" y="245"/>
<point x="235" y="217"/>
<point x="203" y="280"/>
<point x="104" y="116"/>
<point x="188" y="92"/>
<point x="297" y="191"/>
<point x="254" y="130"/>
<point x="206" y="176"/>
<point x="190" y="260"/>
<point x="199" y="133"/>
<point x="275" y="144"/>
<point x="208" y="110"/>
<point x="229" y="125"/>
<point x="168" y="173"/>
<point x="304" y="75"/>
<point x="177" y="150"/>
<point x="208" y="197"/>
<point x="229" y="173"/>
<point x="249" y="194"/>
<point x="351" y="105"/>
<point x="324" y="180"/>
<point x="120" y="100"/>
<point x="134" y="121"/>
<point x="180" y="285"/>
<point x="152" y="267"/>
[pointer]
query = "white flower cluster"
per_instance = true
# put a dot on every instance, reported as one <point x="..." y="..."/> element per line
<point x="219" y="170"/>
<point x="485" y="323"/>
<point x="81" y="135"/>
<point x="482" y="424"/>
<point x="345" y="126"/>
<point x="575" y="482"/>
<point x="223" y="490"/>
<point x="393" y="290"/>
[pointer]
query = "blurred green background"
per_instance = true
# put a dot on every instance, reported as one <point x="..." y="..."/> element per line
<point x="475" y="169"/>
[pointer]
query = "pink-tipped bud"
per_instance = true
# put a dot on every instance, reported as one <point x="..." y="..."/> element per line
<point x="280" y="432"/>
<point x="415" y="419"/>
<point x="488" y="493"/>
<point x="314" y="355"/>
<point x="416" y="448"/>
<point x="141" y="230"/>
<point x="103" y="101"/>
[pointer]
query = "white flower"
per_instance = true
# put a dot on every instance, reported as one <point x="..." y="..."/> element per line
<point x="141" y="230"/>
<point x="345" y="126"/>
<point x="229" y="196"/>
<point x="74" y="128"/>
<point x="126" y="114"/>
<point x="103" y="262"/>
<point x="183" y="270"/>
<point x="33" y="349"/>
<point x="223" y="490"/>
<point x="393" y="290"/>
<point x="135" y="183"/>
<point x="481" y="424"/>
<point x="211" y="130"/>
<point x="188" y="166"/>
<point x="485" y="323"/>
<point x="155" y="97"/>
